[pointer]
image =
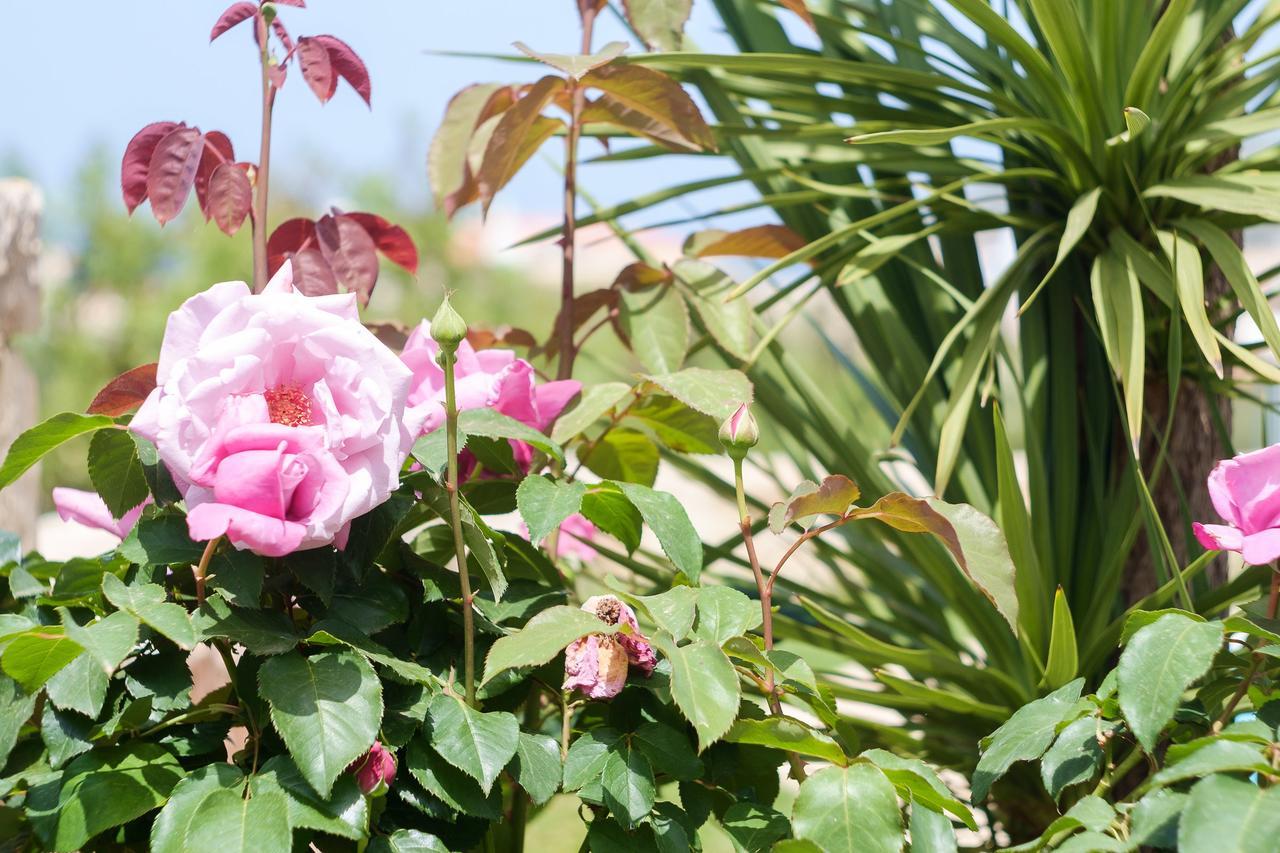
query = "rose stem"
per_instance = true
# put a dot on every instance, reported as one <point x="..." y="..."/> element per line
<point x="259" y="222"/>
<point x="1272" y="601"/>
<point x="766" y="606"/>
<point x="447" y="351"/>
<point x="578" y="96"/>
<point x="203" y="567"/>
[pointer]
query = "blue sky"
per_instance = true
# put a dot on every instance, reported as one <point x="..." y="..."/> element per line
<point x="90" y="74"/>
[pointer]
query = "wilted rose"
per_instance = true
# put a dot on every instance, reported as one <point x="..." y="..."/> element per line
<point x="597" y="665"/>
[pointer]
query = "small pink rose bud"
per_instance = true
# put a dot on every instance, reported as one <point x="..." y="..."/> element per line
<point x="597" y="665"/>
<point x="740" y="432"/>
<point x="375" y="771"/>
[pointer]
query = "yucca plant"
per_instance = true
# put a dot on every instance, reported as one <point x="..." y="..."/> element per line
<point x="1104" y="136"/>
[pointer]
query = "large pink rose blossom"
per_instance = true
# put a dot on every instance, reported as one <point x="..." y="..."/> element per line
<point x="597" y="664"/>
<point x="1246" y="492"/>
<point x="89" y="509"/>
<point x="489" y="378"/>
<point x="279" y="415"/>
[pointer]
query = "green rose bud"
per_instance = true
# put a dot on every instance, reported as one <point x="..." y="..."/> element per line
<point x="448" y="328"/>
<point x="740" y="432"/>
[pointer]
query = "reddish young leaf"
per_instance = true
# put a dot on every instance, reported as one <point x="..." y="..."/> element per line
<point x="451" y="177"/>
<point x="277" y="73"/>
<point x="760" y="241"/>
<point x="394" y="335"/>
<point x="346" y="63"/>
<point x="507" y="337"/>
<point x="316" y="68"/>
<point x="392" y="240"/>
<point x="125" y="392"/>
<point x="502" y="156"/>
<point x="312" y="274"/>
<point x="584" y="308"/>
<point x="300" y="4"/>
<point x="350" y="252"/>
<point x="236" y="13"/>
<point x="655" y="96"/>
<point x="799" y="7"/>
<point x="281" y="33"/>
<point x="173" y="171"/>
<point x="137" y="161"/>
<point x="290" y="236"/>
<point x="217" y="150"/>
<point x="230" y="196"/>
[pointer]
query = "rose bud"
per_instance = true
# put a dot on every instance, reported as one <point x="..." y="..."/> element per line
<point x="597" y="665"/>
<point x="739" y="433"/>
<point x="375" y="771"/>
<point x="447" y="327"/>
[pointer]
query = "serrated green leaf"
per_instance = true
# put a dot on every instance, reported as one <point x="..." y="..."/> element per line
<point x="596" y="401"/>
<point x="479" y="744"/>
<point x="609" y="510"/>
<point x="28" y="448"/>
<point x="787" y="734"/>
<point x="537" y="766"/>
<point x="1075" y="755"/>
<point x="544" y="637"/>
<point x="407" y="841"/>
<point x="919" y="782"/>
<point x="146" y="602"/>
<point x="1024" y="737"/>
<point x="849" y="810"/>
<point x="161" y="540"/>
<point x="261" y="632"/>
<point x="227" y="822"/>
<point x="677" y="426"/>
<point x="717" y="393"/>
<point x="627" y="783"/>
<point x="344" y="813"/>
<point x="16" y="706"/>
<point x="79" y="686"/>
<point x="65" y="734"/>
<point x="1223" y="756"/>
<point x="666" y="517"/>
<point x="1223" y="813"/>
<point x="490" y="423"/>
<point x="109" y="639"/>
<point x="544" y="504"/>
<point x="35" y="656"/>
<point x="1159" y="663"/>
<point x="754" y="828"/>
<point x="723" y="612"/>
<point x="458" y="790"/>
<point x="116" y="472"/>
<point x="704" y="686"/>
<point x="587" y="756"/>
<point x="327" y="709"/>
<point x="623" y="454"/>
<point x="668" y="750"/>
<point x="931" y="831"/>
<point x="177" y="818"/>
<point x="656" y="322"/>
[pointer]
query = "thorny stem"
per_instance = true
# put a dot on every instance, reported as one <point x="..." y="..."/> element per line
<point x="578" y="96"/>
<point x="455" y="513"/>
<point x="202" y="568"/>
<point x="264" y="158"/>
<point x="1272" y="602"/>
<point x="765" y="590"/>
<point x="566" y="724"/>
<point x="795" y="546"/>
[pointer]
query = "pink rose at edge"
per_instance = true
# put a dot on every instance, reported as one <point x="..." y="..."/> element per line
<point x="89" y="509"/>
<point x="575" y="532"/>
<point x="280" y="417"/>
<point x="1245" y="491"/>
<point x="597" y="665"/>
<point x="375" y="771"/>
<point x="489" y="378"/>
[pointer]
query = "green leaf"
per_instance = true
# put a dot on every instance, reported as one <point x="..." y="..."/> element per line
<point x="407" y="841"/>
<point x="65" y="734"/>
<point x="28" y="448"/>
<point x="109" y="640"/>
<point x="1075" y="756"/>
<point x="261" y="632"/>
<point x="731" y="323"/>
<point x="146" y="602"/>
<point x="607" y="508"/>
<point x="576" y="65"/>
<point x="853" y="809"/>
<point x="238" y="575"/>
<point x="787" y="734"/>
<point x="16" y="707"/>
<point x="1079" y="218"/>
<point x="177" y="819"/>
<point x="1221" y="756"/>
<point x="110" y="786"/>
<point x="1024" y="737"/>
<point x="1188" y="277"/>
<point x="537" y="766"/>
<point x="919" y="782"/>
<point x="479" y="744"/>
<point x="1154" y="820"/>
<point x="1249" y="195"/>
<point x="623" y="454"/>
<point x="656" y="322"/>
<point x="677" y="426"/>
<point x="327" y="709"/>
<point x="931" y="831"/>
<point x="116" y="471"/>
<point x="754" y="828"/>
<point x="1117" y="300"/>
<point x="704" y="686"/>
<point x="227" y="822"/>
<point x="1159" y="663"/>
<point x="1063" y="661"/>
<point x="479" y="538"/>
<point x="666" y="517"/>
<point x="344" y="813"/>
<point x="723" y="612"/>
<point x="490" y="423"/>
<point x="983" y="556"/>
<point x="1230" y="259"/>
<point x="587" y="756"/>
<point x="672" y="611"/>
<point x="596" y="401"/>
<point x="33" y="657"/>
<point x="627" y="783"/>
<point x="162" y="540"/>
<point x="659" y="22"/>
<point x="717" y="393"/>
<point x="458" y="790"/>
<point x="544" y="504"/>
<point x="80" y="686"/>
<point x="668" y="750"/>
<point x="809" y="499"/>
<point x="544" y="637"/>
<point x="1223" y="813"/>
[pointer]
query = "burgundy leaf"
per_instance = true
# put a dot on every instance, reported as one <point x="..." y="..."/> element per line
<point x="230" y="196"/>
<point x="277" y="74"/>
<point x="301" y="4"/>
<point x="316" y="68"/>
<point x="282" y="34"/>
<point x="346" y="63"/>
<point x="235" y="14"/>
<point x="217" y="150"/>
<point x="312" y="275"/>
<point x="290" y="236"/>
<point x="125" y="392"/>
<point x="173" y="171"/>
<point x="392" y="240"/>
<point x="137" y="160"/>
<point x="351" y="253"/>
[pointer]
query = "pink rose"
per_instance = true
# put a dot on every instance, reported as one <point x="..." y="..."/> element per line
<point x="575" y="532"/>
<point x="1246" y="492"/>
<point x="597" y="665"/>
<point x="376" y="771"/>
<point x="489" y="378"/>
<point x="89" y="509"/>
<point x="279" y="415"/>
